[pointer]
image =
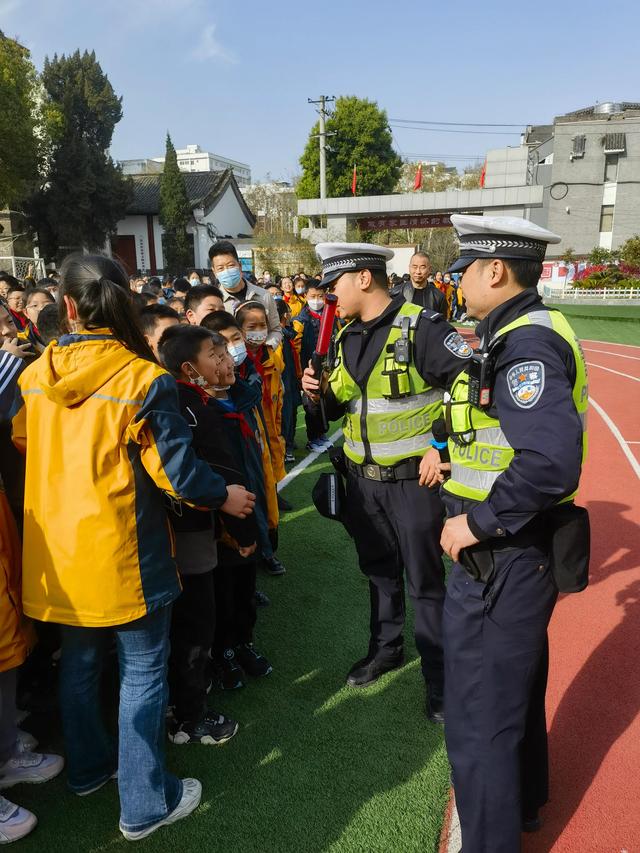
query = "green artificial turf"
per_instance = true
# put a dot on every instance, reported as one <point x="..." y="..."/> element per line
<point x="615" y="323"/>
<point x="316" y="766"/>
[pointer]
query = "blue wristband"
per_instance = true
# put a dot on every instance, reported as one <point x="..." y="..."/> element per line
<point x="439" y="445"/>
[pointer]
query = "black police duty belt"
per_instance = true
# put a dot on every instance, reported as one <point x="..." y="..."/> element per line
<point x="408" y="469"/>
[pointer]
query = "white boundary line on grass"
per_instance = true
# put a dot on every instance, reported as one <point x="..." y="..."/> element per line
<point x="618" y="437"/>
<point x="617" y="372"/>
<point x="308" y="460"/>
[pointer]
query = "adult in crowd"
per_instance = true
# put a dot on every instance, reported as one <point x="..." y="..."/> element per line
<point x="418" y="290"/>
<point x="99" y="421"/>
<point x="226" y="267"/>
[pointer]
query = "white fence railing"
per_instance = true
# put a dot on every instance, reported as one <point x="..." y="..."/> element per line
<point x="20" y="267"/>
<point x="579" y="294"/>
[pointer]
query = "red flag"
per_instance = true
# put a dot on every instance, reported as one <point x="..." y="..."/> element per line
<point x="417" y="184"/>
<point x="483" y="173"/>
<point x="354" y="180"/>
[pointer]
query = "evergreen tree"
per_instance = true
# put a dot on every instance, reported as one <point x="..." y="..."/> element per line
<point x="84" y="193"/>
<point x="175" y="213"/>
<point x="362" y="138"/>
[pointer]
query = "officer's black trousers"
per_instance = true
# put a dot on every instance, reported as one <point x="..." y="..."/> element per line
<point x="496" y="660"/>
<point x="396" y="528"/>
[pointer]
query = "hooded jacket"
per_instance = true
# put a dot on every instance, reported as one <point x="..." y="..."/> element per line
<point x="103" y="437"/>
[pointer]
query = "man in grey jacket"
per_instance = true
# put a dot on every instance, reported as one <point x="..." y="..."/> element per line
<point x="226" y="267"/>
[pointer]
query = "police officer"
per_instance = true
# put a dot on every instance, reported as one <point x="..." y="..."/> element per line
<point x="393" y="361"/>
<point x="516" y="418"/>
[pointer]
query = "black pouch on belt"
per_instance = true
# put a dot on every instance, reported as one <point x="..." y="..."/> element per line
<point x="570" y="546"/>
<point x="478" y="562"/>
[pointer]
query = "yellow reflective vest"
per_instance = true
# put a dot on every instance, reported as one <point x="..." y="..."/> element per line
<point x="479" y="449"/>
<point x="389" y="420"/>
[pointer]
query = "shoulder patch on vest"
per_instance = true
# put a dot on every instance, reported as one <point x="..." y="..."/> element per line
<point x="434" y="316"/>
<point x="526" y="383"/>
<point x="456" y="344"/>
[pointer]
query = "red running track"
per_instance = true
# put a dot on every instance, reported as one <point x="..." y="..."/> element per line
<point x="593" y="697"/>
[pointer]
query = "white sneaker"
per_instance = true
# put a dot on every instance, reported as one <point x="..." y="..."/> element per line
<point x="15" y="822"/>
<point x="30" y="767"/>
<point x="191" y="795"/>
<point x="26" y="742"/>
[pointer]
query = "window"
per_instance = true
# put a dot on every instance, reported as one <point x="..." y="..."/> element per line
<point x="614" y="143"/>
<point x="579" y="144"/>
<point x="606" y="218"/>
<point x="611" y="168"/>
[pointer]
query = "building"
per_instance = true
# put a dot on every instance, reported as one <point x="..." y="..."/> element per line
<point x="589" y="166"/>
<point x="218" y="211"/>
<point x="579" y="177"/>
<point x="191" y="159"/>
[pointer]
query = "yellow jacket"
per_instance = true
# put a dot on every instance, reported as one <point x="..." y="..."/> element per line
<point x="103" y="437"/>
<point x="295" y="302"/>
<point x="272" y="394"/>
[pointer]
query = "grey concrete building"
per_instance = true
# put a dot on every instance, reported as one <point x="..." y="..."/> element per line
<point x="589" y="167"/>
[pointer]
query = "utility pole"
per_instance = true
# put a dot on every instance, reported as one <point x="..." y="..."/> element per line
<point x="322" y="101"/>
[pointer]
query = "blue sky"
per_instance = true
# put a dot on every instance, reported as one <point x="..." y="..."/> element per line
<point x="235" y="77"/>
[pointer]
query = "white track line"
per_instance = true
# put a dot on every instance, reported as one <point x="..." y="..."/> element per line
<point x="616" y="354"/>
<point x="618" y="437"/>
<point x="308" y="460"/>
<point x="617" y="372"/>
<point x="615" y="344"/>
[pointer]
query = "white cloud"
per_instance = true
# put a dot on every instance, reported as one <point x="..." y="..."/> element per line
<point x="210" y="47"/>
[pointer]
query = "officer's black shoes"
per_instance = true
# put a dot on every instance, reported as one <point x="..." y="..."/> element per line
<point x="252" y="662"/>
<point x="369" y="669"/>
<point x="531" y="822"/>
<point x="435" y="705"/>
<point x="273" y="566"/>
<point x="262" y="599"/>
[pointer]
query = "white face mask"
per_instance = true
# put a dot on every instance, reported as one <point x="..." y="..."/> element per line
<point x="316" y="304"/>
<point x="300" y="291"/>
<point x="257" y="336"/>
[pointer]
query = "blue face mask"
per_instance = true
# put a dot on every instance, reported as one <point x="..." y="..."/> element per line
<point x="238" y="353"/>
<point x="229" y="278"/>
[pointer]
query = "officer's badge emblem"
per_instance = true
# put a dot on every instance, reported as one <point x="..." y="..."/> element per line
<point x="526" y="382"/>
<point x="457" y="345"/>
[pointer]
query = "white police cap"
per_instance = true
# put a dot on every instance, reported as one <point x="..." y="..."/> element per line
<point x="338" y="258"/>
<point x="507" y="237"/>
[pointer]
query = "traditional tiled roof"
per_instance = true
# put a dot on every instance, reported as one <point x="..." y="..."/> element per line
<point x="204" y="190"/>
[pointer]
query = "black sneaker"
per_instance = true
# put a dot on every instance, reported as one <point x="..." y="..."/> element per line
<point x="283" y="504"/>
<point x="289" y="457"/>
<point x="227" y="672"/>
<point x="211" y="731"/>
<point x="262" y="599"/>
<point x="369" y="669"/>
<point x="273" y="566"/>
<point x="252" y="662"/>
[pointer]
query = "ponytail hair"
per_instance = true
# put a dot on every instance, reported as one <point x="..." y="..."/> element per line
<point x="99" y="286"/>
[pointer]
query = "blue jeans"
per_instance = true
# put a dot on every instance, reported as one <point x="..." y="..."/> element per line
<point x="147" y="792"/>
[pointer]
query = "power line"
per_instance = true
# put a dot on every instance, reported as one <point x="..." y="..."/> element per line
<point x="458" y="123"/>
<point x="448" y="130"/>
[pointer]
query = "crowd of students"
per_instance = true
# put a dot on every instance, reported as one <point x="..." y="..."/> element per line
<point x="181" y="397"/>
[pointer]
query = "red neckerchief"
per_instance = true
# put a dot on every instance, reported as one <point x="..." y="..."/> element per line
<point x="256" y="358"/>
<point x="21" y="321"/>
<point x="201" y="392"/>
<point x="245" y="429"/>
<point x="314" y="313"/>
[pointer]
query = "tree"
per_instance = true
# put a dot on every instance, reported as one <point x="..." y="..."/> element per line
<point x="570" y="256"/>
<point x="630" y="251"/>
<point x="83" y="194"/>
<point x="274" y="205"/>
<point x="175" y="213"/>
<point x="362" y="137"/>
<point x="599" y="256"/>
<point x="22" y="136"/>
